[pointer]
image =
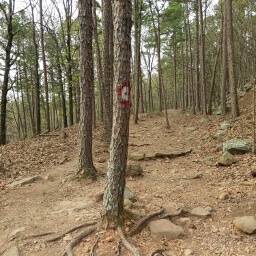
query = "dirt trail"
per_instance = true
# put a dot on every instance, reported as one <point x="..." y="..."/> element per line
<point x="57" y="203"/>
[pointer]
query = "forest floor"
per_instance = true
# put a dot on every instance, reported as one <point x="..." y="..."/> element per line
<point x="57" y="202"/>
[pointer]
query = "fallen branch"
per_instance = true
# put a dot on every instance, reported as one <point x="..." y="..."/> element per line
<point x="128" y="245"/>
<point x="143" y="221"/>
<point x="157" y="251"/>
<point x="43" y="234"/>
<point x="94" y="246"/>
<point x="181" y="211"/>
<point x="72" y="229"/>
<point x="77" y="239"/>
<point x="198" y="176"/>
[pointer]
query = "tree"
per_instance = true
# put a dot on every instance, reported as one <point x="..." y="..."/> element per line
<point x="86" y="167"/>
<point x="8" y="63"/>
<point x="106" y="68"/>
<point x="231" y="60"/>
<point x="112" y="211"/>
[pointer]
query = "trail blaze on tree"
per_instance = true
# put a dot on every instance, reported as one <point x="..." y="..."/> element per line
<point x="112" y="210"/>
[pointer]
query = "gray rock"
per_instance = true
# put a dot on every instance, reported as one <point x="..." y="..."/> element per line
<point x="217" y="112"/>
<point x="224" y="125"/>
<point x="246" y="224"/>
<point x="164" y="228"/>
<point x="190" y="129"/>
<point x="204" y="120"/>
<point x="227" y="159"/>
<point x="188" y="252"/>
<point x="205" y="137"/>
<point x="220" y="134"/>
<point x="127" y="204"/>
<point x="25" y="181"/>
<point x="133" y="170"/>
<point x="236" y="146"/>
<point x="137" y="156"/>
<point x="14" y="251"/>
<point x="128" y="194"/>
<point x="200" y="212"/>
<point x="185" y="223"/>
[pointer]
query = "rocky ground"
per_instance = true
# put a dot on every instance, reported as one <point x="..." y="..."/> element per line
<point x="211" y="195"/>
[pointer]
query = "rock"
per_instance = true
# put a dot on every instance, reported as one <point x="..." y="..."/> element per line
<point x="137" y="156"/>
<point x="204" y="120"/>
<point x="200" y="212"/>
<point x="49" y="177"/>
<point x="14" y="251"/>
<point x="236" y="146"/>
<point x="127" y="204"/>
<point x="185" y="223"/>
<point x="25" y="181"/>
<point x="128" y="194"/>
<point x="133" y="170"/>
<point x="190" y="129"/>
<point x="217" y="113"/>
<point x="181" y="152"/>
<point x="224" y="125"/>
<point x="227" y="159"/>
<point x="149" y="157"/>
<point x="165" y="228"/>
<point x="246" y="224"/>
<point x="16" y="233"/>
<point x="223" y="196"/>
<point x="63" y="160"/>
<point x="205" y="137"/>
<point x="188" y="252"/>
<point x="220" y="134"/>
<point x="99" y="196"/>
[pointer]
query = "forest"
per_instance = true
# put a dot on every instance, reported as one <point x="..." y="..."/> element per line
<point x="195" y="55"/>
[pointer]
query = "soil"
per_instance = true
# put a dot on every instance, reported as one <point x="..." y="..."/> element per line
<point x="60" y="202"/>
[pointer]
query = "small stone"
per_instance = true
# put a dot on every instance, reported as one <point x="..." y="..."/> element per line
<point x="246" y="224"/>
<point x="137" y="156"/>
<point x="67" y="237"/>
<point x="227" y="159"/>
<point x="49" y="178"/>
<point x="14" y="251"/>
<point x="128" y="194"/>
<point x="208" y="158"/>
<point x="133" y="170"/>
<point x="190" y="129"/>
<point x="165" y="228"/>
<point x="224" y="125"/>
<point x="127" y="204"/>
<point x="223" y="196"/>
<point x="99" y="196"/>
<point x="126" y="229"/>
<point x="204" y="120"/>
<point x="185" y="223"/>
<point x="188" y="252"/>
<point x="200" y="212"/>
<point x="205" y="137"/>
<point x="220" y="134"/>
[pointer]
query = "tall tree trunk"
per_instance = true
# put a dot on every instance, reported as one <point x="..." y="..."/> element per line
<point x="175" y="102"/>
<point x="86" y="167"/>
<point x="231" y="59"/>
<point x="113" y="201"/>
<point x="9" y="17"/>
<point x="197" y="82"/>
<point x="223" y="88"/>
<point x="98" y="60"/>
<point x="48" y="128"/>
<point x="202" y="58"/>
<point x="106" y="88"/>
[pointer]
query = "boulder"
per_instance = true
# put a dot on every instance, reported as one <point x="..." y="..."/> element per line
<point x="227" y="159"/>
<point x="164" y="228"/>
<point x="236" y="146"/>
<point x="133" y="170"/>
<point x="246" y="224"/>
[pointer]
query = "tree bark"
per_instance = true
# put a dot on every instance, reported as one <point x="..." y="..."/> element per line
<point x="112" y="211"/>
<point x="231" y="59"/>
<point x="86" y="167"/>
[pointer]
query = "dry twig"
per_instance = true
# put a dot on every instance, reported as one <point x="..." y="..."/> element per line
<point x="143" y="221"/>
<point x="77" y="239"/>
<point x="128" y="245"/>
<point x="72" y="229"/>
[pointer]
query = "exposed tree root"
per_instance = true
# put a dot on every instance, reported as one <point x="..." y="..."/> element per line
<point x="77" y="239"/>
<point x="143" y="221"/>
<point x="73" y="229"/>
<point x="94" y="246"/>
<point x="43" y="234"/>
<point x="128" y="245"/>
<point x="157" y="251"/>
<point x="181" y="211"/>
